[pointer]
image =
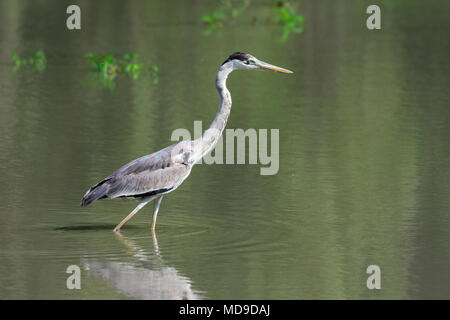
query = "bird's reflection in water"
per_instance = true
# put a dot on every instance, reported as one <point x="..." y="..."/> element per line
<point x="149" y="278"/>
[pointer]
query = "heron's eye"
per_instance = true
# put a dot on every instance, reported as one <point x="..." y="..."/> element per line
<point x="249" y="61"/>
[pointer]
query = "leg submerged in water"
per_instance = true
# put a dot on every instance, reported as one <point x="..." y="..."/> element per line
<point x="128" y="217"/>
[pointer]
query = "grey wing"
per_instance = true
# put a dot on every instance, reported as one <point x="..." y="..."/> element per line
<point x="156" y="173"/>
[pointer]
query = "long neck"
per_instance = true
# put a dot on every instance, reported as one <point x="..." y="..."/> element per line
<point x="212" y="135"/>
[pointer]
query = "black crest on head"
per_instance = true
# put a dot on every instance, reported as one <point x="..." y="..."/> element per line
<point x="238" y="56"/>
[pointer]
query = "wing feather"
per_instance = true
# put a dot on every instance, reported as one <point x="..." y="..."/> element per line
<point x="159" y="172"/>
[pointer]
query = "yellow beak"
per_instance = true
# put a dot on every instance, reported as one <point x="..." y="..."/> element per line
<point x="266" y="66"/>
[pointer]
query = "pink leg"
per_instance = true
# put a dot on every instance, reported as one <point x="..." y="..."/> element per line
<point x="128" y="217"/>
<point x="155" y="212"/>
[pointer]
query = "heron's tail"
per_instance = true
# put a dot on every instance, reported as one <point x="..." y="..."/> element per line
<point x="94" y="193"/>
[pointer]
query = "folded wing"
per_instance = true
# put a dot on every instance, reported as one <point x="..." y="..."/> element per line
<point x="156" y="173"/>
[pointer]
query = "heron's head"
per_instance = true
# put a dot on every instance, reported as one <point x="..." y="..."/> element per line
<point x="240" y="60"/>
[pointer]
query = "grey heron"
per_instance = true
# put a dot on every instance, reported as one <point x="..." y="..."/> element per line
<point x="152" y="176"/>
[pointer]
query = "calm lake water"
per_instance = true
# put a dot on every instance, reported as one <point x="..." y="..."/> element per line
<point x="364" y="160"/>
